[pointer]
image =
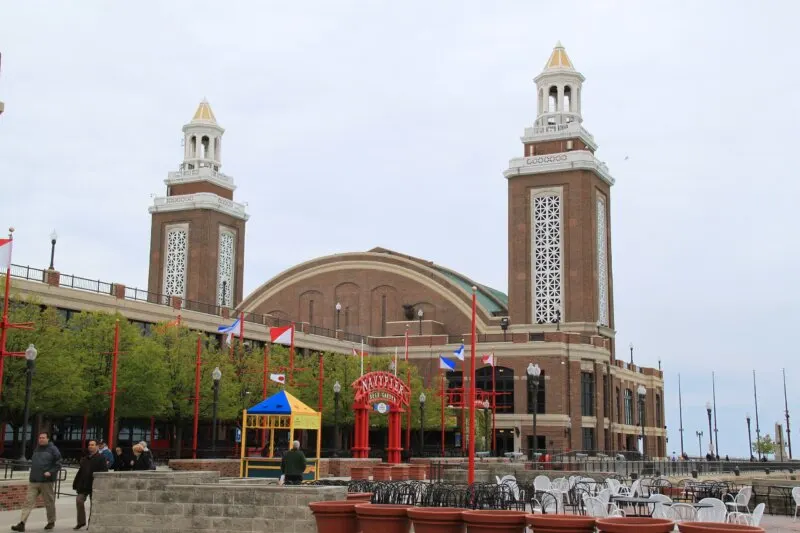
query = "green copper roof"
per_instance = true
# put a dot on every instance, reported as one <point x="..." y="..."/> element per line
<point x="490" y="299"/>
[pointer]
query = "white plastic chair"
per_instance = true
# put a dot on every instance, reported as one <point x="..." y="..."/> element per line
<point x="542" y="483"/>
<point x="614" y="485"/>
<point x="659" y="511"/>
<point x="604" y="495"/>
<point x="741" y="500"/>
<point x="796" y="496"/>
<point x="595" y="507"/>
<point x="682" y="512"/>
<point x="718" y="513"/>
<point x="561" y="484"/>
<point x="748" y="519"/>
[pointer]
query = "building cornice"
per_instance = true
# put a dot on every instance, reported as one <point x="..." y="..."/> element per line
<point x="560" y="162"/>
<point x="557" y="132"/>
<point x="200" y="200"/>
<point x="200" y="174"/>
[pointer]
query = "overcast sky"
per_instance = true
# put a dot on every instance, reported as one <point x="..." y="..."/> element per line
<point x="360" y="124"/>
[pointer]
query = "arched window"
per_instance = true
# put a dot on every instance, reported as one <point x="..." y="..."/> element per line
<point x="541" y="407"/>
<point x="204" y="142"/>
<point x="567" y="99"/>
<point x="552" y="99"/>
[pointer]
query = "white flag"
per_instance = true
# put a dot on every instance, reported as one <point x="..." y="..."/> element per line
<point x="278" y="378"/>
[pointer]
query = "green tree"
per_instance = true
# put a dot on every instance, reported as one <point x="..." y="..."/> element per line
<point x="765" y="445"/>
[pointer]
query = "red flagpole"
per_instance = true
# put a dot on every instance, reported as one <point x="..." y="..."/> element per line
<point x="291" y="358"/>
<point x="408" y="411"/>
<point x="197" y="363"/>
<point x="471" y="458"/>
<point x="441" y="385"/>
<point x="494" y="400"/>
<point x="321" y="377"/>
<point x="114" y="362"/>
<point x="264" y="389"/>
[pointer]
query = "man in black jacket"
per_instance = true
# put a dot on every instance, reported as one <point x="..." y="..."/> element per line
<point x="82" y="485"/>
<point x="45" y="464"/>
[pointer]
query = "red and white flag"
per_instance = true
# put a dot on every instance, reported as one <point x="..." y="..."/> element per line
<point x="282" y="335"/>
<point x="487" y="359"/>
<point x="5" y="253"/>
<point x="278" y="378"/>
<point x="359" y="354"/>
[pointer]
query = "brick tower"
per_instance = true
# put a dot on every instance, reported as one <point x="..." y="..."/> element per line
<point x="197" y="235"/>
<point x="558" y="217"/>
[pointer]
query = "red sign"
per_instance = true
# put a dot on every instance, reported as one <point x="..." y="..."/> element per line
<point x="381" y="386"/>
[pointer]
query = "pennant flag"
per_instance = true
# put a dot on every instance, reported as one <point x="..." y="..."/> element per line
<point x="282" y="335"/>
<point x="229" y="338"/>
<point x="230" y="329"/>
<point x="459" y="353"/>
<point x="5" y="253"/>
<point x="358" y="354"/>
<point x="278" y="378"/>
<point x="446" y="364"/>
<point x="487" y="359"/>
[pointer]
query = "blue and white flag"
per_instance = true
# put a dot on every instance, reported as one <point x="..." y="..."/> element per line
<point x="228" y="329"/>
<point x="446" y="364"/>
<point x="460" y="352"/>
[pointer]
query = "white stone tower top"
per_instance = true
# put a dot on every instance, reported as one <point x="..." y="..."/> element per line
<point x="558" y="90"/>
<point x="202" y="142"/>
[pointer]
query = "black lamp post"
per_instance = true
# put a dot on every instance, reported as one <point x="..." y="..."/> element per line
<point x="486" y="423"/>
<point x="53" y="237"/>
<point x="30" y="361"/>
<point x="710" y="433"/>
<point x="749" y="435"/>
<point x="699" y="443"/>
<point x="420" y="314"/>
<point x="534" y="372"/>
<point x="642" y="392"/>
<point x="631" y="347"/>
<point x="504" y="326"/>
<point x="421" y="422"/>
<point x="337" y="389"/>
<point x="216" y="375"/>
<point x="338" y="310"/>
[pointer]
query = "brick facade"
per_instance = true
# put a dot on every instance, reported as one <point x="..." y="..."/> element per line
<point x="225" y="467"/>
<point x="13" y="494"/>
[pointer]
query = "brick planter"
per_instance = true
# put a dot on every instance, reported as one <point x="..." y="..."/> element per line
<point x="417" y="471"/>
<point x="400" y="473"/>
<point x="360" y="472"/>
<point x="381" y="473"/>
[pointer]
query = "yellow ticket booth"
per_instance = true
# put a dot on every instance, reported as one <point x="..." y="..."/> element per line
<point x="280" y="412"/>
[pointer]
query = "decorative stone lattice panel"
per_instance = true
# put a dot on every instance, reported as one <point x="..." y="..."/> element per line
<point x="175" y="262"/>
<point x="547" y="256"/>
<point x="602" y="263"/>
<point x="226" y="260"/>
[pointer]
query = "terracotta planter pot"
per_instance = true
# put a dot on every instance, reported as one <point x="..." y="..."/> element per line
<point x="335" y="516"/>
<point x="436" y="519"/>
<point x="494" y="521"/>
<point x="560" y="523"/>
<point x="360" y="497"/>
<point x="360" y="472"/>
<point x="382" y="518"/>
<point x="635" y="525"/>
<point x="381" y="473"/>
<point x="709" y="527"/>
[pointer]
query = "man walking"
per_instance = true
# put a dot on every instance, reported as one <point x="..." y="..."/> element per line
<point x="293" y="465"/>
<point x="45" y="464"/>
<point x="82" y="485"/>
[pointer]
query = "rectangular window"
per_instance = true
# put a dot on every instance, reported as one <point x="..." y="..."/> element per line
<point x="311" y="312"/>
<point x="540" y="397"/>
<point x="658" y="410"/>
<point x="619" y="409"/>
<point x="383" y="315"/>
<point x="629" y="407"/>
<point x="588" y="439"/>
<point x="587" y="394"/>
<point x="606" y="399"/>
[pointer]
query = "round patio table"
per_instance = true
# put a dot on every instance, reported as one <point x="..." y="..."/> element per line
<point x="643" y="506"/>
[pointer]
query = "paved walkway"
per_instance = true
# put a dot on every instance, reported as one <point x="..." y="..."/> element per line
<point x="66" y="515"/>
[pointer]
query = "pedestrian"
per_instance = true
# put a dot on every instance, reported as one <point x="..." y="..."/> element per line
<point x="45" y="464"/>
<point x="121" y="460"/>
<point x="84" y="479"/>
<point x="293" y="465"/>
<point x="107" y="454"/>
<point x="149" y="454"/>
<point x="141" y="460"/>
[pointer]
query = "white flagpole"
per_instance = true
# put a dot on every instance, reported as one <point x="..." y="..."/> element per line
<point x="362" y="356"/>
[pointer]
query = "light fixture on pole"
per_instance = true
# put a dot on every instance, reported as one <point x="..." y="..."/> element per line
<point x="337" y="389"/>
<point x="53" y="238"/>
<point x="338" y="310"/>
<point x="534" y="373"/>
<point x="486" y="424"/>
<point x="749" y="435"/>
<point x="631" y="347"/>
<point x="420" y="314"/>
<point x="710" y="432"/>
<point x="504" y="326"/>
<point x="422" y="399"/>
<point x="30" y="362"/>
<point x="642" y="392"/>
<point x="699" y="443"/>
<point x="216" y="375"/>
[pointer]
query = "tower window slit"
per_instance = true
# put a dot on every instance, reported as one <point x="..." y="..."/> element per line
<point x="567" y="99"/>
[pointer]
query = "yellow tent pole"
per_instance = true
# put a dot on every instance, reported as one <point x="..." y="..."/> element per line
<point x="271" y="424"/>
<point x="242" y="468"/>
<point x="319" y="444"/>
<point x="291" y="431"/>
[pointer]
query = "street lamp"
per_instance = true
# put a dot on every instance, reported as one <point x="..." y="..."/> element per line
<point x="336" y="390"/>
<point x="486" y="422"/>
<point x="749" y="436"/>
<point x="568" y="435"/>
<point x="710" y="433"/>
<point x="642" y="392"/>
<point x="338" y="310"/>
<point x="504" y="326"/>
<point x="422" y="399"/>
<point x="216" y="375"/>
<point x="30" y="359"/>
<point x="631" y="347"/>
<point x="699" y="443"/>
<point x="420" y="313"/>
<point x="53" y="237"/>
<point x="533" y="388"/>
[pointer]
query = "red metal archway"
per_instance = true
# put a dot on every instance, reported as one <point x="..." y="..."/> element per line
<point x="376" y="387"/>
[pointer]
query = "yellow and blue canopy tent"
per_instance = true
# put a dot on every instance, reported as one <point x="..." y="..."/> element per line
<point x="279" y="412"/>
